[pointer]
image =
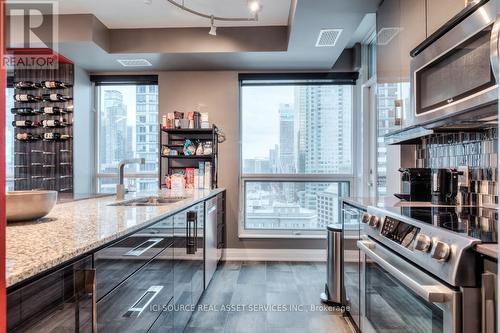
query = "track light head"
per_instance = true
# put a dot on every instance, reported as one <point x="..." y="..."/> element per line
<point x="213" y="28"/>
<point x="213" y="31"/>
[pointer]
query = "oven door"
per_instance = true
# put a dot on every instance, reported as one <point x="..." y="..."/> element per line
<point x="399" y="297"/>
<point x="456" y="73"/>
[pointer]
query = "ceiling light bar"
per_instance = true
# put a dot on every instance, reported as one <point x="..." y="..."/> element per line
<point x="217" y="18"/>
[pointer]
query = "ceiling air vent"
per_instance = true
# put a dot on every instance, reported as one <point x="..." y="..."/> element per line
<point x="385" y="35"/>
<point x="328" y="37"/>
<point x="134" y="62"/>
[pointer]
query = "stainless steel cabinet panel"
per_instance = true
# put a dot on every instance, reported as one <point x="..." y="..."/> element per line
<point x="188" y="264"/>
<point x="115" y="263"/>
<point x="439" y="12"/>
<point x="351" y="224"/>
<point x="211" y="250"/>
<point x="137" y="304"/>
<point x="57" y="302"/>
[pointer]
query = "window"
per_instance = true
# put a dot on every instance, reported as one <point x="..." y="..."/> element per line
<point x="297" y="155"/>
<point x="122" y="134"/>
<point x="387" y="94"/>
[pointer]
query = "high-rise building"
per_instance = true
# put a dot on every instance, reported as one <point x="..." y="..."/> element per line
<point x="287" y="149"/>
<point x="273" y="159"/>
<point x="328" y="205"/>
<point x="325" y="144"/>
<point x="146" y="131"/>
<point x="114" y="133"/>
<point x="387" y="93"/>
<point x="287" y="139"/>
<point x="114" y="137"/>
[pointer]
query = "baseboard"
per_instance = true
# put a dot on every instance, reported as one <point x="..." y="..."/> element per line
<point x="281" y="255"/>
<point x="273" y="255"/>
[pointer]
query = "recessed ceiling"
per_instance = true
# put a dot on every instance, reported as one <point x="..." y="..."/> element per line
<point x="118" y="14"/>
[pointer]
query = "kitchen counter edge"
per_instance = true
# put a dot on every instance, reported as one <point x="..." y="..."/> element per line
<point x="18" y="279"/>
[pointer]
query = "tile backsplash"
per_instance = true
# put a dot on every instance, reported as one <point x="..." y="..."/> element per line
<point x="476" y="152"/>
<point x="452" y="150"/>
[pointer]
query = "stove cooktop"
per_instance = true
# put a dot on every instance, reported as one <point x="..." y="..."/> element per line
<point x="476" y="222"/>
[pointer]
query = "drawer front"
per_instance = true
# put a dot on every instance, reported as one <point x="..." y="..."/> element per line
<point x="139" y="301"/>
<point x="115" y="263"/>
<point x="57" y="302"/>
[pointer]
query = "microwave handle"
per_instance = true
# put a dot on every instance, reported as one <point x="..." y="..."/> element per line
<point x="494" y="47"/>
<point x="433" y="294"/>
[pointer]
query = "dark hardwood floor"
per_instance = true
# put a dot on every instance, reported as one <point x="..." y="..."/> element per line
<point x="272" y="297"/>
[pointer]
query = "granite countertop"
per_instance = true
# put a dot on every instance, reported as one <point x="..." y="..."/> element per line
<point x="77" y="227"/>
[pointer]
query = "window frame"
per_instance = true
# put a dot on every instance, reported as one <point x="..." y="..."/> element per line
<point x="350" y="178"/>
<point x="103" y="80"/>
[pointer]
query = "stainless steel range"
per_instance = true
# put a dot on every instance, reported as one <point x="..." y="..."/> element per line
<point x="419" y="272"/>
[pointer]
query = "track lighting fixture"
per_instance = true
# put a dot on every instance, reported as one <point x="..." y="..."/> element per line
<point x="253" y="5"/>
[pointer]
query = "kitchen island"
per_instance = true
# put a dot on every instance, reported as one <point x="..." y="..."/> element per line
<point x="109" y="256"/>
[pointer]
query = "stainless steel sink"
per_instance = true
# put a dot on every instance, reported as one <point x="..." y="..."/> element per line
<point x="148" y="201"/>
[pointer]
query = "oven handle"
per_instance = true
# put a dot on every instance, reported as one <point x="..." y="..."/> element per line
<point x="494" y="47"/>
<point x="433" y="294"/>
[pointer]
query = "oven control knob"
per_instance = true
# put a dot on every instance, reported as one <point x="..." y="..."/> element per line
<point x="365" y="218"/>
<point x="374" y="221"/>
<point x="441" y="251"/>
<point x="423" y="243"/>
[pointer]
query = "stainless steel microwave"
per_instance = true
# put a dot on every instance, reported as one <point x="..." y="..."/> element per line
<point x="454" y="76"/>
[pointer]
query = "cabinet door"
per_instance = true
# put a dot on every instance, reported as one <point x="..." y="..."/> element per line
<point x="198" y="282"/>
<point x="188" y="265"/>
<point x="351" y="218"/>
<point x="59" y="302"/>
<point x="413" y="32"/>
<point x="439" y="12"/>
<point x="138" y="303"/>
<point x="115" y="263"/>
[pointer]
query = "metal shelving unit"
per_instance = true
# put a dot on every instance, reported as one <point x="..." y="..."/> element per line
<point x="174" y="138"/>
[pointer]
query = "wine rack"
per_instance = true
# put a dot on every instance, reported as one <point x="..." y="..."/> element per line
<point x="42" y="164"/>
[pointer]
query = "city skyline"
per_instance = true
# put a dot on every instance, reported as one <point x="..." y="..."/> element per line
<point x="128" y="131"/>
<point x="314" y="137"/>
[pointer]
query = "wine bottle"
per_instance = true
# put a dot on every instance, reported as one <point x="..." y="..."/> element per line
<point x="55" y="98"/>
<point x="25" y="123"/>
<point x="27" y="137"/>
<point x="25" y="111"/>
<point x="53" y="110"/>
<point x="53" y="84"/>
<point x="55" y="136"/>
<point x="26" y="85"/>
<point x="26" y="98"/>
<point x="53" y="123"/>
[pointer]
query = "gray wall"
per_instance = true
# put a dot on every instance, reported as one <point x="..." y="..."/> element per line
<point x="218" y="92"/>
<point x="83" y="133"/>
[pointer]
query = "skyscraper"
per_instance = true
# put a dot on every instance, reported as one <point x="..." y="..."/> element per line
<point x="147" y="133"/>
<point x="287" y="139"/>
<point x="287" y="148"/>
<point x="114" y="137"/>
<point x="114" y="132"/>
<point x="324" y="135"/>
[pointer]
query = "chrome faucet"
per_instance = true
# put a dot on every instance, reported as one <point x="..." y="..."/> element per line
<point x="120" y="188"/>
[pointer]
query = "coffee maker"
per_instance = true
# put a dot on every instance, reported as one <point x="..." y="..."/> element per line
<point x="416" y="184"/>
<point x="445" y="186"/>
